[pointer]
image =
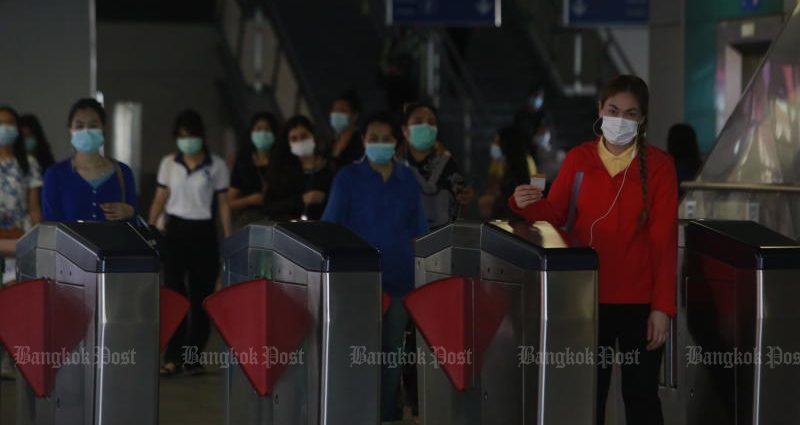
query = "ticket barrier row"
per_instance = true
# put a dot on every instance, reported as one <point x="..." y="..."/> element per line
<point x="506" y="313"/>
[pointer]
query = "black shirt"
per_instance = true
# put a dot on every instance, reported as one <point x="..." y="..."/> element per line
<point x="281" y="180"/>
<point x="318" y="179"/>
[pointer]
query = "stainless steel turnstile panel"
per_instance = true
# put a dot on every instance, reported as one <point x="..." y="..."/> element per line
<point x="548" y="311"/>
<point x="112" y="377"/>
<point x="742" y="283"/>
<point x="345" y="308"/>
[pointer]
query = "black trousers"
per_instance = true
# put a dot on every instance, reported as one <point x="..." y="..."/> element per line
<point x="626" y="324"/>
<point x="191" y="267"/>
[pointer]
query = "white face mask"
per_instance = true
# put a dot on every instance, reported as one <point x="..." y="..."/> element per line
<point x="303" y="148"/>
<point x="619" y="131"/>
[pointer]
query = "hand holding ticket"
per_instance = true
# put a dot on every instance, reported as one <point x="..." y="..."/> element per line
<point x="538" y="180"/>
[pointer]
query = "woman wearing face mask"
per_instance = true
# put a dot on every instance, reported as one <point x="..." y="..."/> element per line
<point x="379" y="199"/>
<point x="19" y="189"/>
<point x="188" y="183"/>
<point x="510" y="167"/>
<point x="346" y="147"/>
<point x="443" y="186"/>
<point x="317" y="171"/>
<point x="252" y="170"/>
<point x="36" y="142"/>
<point x="626" y="209"/>
<point x="88" y="186"/>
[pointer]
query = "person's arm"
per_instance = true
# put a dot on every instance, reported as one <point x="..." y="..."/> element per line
<point x="237" y="202"/>
<point x="553" y="209"/>
<point x="34" y="206"/>
<point x="157" y="206"/>
<point x="663" y="231"/>
<point x="119" y="211"/>
<point x="339" y="200"/>
<point x="222" y="181"/>
<point x="51" y="205"/>
<point x="224" y="212"/>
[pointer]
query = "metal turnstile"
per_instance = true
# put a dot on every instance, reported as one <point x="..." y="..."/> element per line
<point x="83" y="325"/>
<point x="304" y="297"/>
<point x="742" y="283"/>
<point x="507" y="319"/>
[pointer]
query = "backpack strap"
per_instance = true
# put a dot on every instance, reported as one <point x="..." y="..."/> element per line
<point x="573" y="201"/>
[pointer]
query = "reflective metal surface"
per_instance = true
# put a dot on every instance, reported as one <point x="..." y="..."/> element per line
<point x="760" y="144"/>
<point x="325" y="389"/>
<point x="112" y="375"/>
<point x="535" y="319"/>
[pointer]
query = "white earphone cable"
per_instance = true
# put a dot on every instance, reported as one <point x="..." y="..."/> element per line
<point x="616" y="198"/>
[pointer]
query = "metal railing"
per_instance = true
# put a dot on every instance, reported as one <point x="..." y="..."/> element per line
<point x="741" y="187"/>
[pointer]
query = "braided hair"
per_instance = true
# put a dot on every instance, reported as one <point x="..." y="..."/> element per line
<point x="638" y="88"/>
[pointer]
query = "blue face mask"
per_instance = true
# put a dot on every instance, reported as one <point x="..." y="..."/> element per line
<point x="30" y="144"/>
<point x="380" y="153"/>
<point x="422" y="136"/>
<point x="262" y="140"/>
<point x="340" y="121"/>
<point x="8" y="134"/>
<point x="537" y="102"/>
<point x="495" y="152"/>
<point x="190" y="145"/>
<point x="88" y="140"/>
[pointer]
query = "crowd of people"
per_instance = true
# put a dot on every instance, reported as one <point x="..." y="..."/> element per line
<point x="390" y="180"/>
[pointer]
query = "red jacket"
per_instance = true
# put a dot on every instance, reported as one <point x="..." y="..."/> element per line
<point x="638" y="265"/>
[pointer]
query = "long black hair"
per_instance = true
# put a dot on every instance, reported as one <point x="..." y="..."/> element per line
<point x="20" y="153"/>
<point x="682" y="145"/>
<point x="513" y="145"/>
<point x="42" y="151"/>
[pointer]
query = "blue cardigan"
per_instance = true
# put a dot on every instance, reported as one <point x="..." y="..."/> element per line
<point x="66" y="196"/>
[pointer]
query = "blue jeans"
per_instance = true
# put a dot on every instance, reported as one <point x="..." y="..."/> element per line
<point x="394" y="326"/>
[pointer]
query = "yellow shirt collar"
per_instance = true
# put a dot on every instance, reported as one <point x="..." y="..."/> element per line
<point x="615" y="163"/>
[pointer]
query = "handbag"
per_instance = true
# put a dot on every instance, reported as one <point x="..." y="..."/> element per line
<point x="150" y="234"/>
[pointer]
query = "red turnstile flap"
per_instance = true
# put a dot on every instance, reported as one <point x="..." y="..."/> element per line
<point x="459" y="317"/>
<point x="41" y="323"/>
<point x="443" y="314"/>
<point x="263" y="323"/>
<point x="172" y="308"/>
<point x="386" y="301"/>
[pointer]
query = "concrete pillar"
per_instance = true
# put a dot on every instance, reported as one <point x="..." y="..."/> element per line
<point x="666" y="68"/>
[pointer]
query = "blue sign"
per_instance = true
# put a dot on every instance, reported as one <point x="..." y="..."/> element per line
<point x="606" y="12"/>
<point x="452" y="13"/>
<point x="751" y="5"/>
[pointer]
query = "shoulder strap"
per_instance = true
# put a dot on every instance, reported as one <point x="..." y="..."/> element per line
<point x="120" y="179"/>
<point x="438" y="169"/>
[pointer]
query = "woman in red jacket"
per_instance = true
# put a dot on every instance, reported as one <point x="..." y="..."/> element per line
<point x="618" y="195"/>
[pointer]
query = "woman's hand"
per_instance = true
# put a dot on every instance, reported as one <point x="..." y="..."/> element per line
<point x="657" y="329"/>
<point x="313" y="197"/>
<point x="117" y="211"/>
<point x="526" y="195"/>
